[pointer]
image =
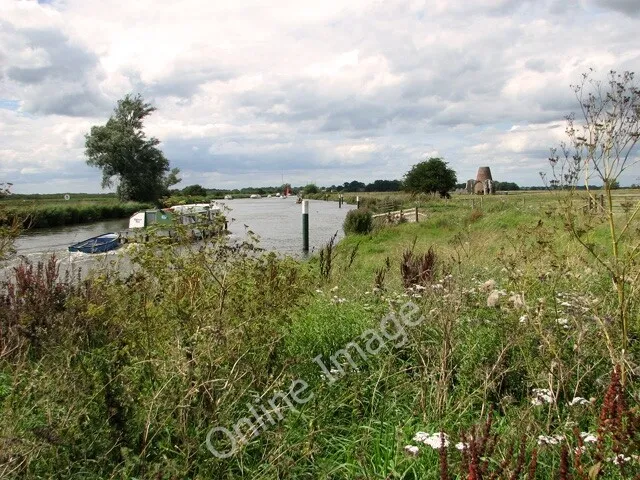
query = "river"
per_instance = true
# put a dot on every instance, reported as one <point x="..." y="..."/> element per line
<point x="277" y="222"/>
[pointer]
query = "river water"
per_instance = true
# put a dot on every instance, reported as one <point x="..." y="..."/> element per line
<point x="277" y="222"/>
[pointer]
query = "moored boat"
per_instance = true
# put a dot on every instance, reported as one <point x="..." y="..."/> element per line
<point x="100" y="244"/>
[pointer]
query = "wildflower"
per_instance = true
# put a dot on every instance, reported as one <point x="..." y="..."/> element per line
<point x="434" y="440"/>
<point x="566" y="304"/>
<point x="550" y="439"/>
<point x="334" y="289"/>
<point x="619" y="459"/>
<point x="420" y="287"/>
<point x="318" y="290"/>
<point x="462" y="446"/>
<point x="542" y="396"/>
<point x="517" y="300"/>
<point x="588" y="437"/>
<point x="493" y="299"/>
<point x="489" y="285"/>
<point x="416" y="295"/>
<point x="524" y="319"/>
<point x="437" y="286"/>
<point x="411" y="450"/>
<point x="579" y="401"/>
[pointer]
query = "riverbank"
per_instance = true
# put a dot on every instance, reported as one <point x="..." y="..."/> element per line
<point x="56" y="212"/>
<point x="508" y="315"/>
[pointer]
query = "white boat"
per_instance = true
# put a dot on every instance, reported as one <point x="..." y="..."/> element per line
<point x="228" y="197"/>
<point x="197" y="216"/>
<point x="278" y="194"/>
<point x="255" y="195"/>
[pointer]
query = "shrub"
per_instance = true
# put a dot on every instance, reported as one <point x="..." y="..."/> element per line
<point x="358" y="222"/>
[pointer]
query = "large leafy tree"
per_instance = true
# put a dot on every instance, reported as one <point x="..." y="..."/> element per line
<point x="126" y="156"/>
<point x="430" y="176"/>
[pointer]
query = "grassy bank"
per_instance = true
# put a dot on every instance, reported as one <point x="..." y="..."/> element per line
<point x="54" y="211"/>
<point x="125" y="378"/>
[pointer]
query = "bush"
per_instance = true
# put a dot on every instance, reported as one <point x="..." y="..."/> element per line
<point x="358" y="222"/>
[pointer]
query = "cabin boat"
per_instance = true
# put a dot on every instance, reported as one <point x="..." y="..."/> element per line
<point x="100" y="244"/>
<point x="196" y="216"/>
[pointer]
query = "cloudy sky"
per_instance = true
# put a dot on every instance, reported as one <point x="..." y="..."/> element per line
<point x="249" y="92"/>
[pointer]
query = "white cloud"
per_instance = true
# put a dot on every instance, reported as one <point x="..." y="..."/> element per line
<point x="327" y="91"/>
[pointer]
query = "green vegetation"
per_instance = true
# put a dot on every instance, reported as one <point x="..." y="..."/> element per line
<point x="358" y="221"/>
<point x="126" y="157"/>
<point x="430" y="176"/>
<point x="42" y="211"/>
<point x="124" y="377"/>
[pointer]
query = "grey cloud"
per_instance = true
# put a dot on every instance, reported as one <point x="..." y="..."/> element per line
<point x="66" y="85"/>
<point x="628" y="7"/>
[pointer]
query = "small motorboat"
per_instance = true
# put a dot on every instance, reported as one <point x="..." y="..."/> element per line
<point x="100" y="244"/>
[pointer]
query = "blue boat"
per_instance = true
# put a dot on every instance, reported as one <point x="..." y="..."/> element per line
<point x="99" y="244"/>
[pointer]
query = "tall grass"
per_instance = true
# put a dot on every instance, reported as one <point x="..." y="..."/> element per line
<point x="123" y="377"/>
<point x="52" y="214"/>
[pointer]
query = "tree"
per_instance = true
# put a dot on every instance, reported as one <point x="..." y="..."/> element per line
<point x="430" y="176"/>
<point x="311" y="188"/>
<point x="194" y="191"/>
<point x="126" y="156"/>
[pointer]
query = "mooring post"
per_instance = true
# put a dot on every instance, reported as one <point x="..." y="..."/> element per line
<point x="305" y="225"/>
<point x="416" y="213"/>
<point x="358" y="201"/>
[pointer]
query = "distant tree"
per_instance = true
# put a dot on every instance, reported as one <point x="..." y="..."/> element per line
<point x="430" y="176"/>
<point x="311" y="188"/>
<point x="384" y="186"/>
<point x="354" y="186"/>
<point x="194" y="191"/>
<point x="126" y="156"/>
<point x="507" y="186"/>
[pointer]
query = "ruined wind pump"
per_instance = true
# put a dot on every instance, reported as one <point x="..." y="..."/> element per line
<point x="483" y="184"/>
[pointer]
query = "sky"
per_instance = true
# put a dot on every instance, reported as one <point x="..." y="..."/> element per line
<point x="251" y="93"/>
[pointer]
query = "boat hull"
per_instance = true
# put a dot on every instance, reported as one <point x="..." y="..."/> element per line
<point x="99" y="244"/>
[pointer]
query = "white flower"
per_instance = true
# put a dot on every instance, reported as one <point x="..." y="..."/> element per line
<point x="416" y="295"/>
<point x="334" y="289"/>
<point x="420" y="436"/>
<point x="542" y="396"/>
<point x="488" y="285"/>
<point x="566" y="304"/>
<point x="462" y="446"/>
<point x="411" y="450"/>
<point x="318" y="291"/>
<point x="619" y="459"/>
<point x="433" y="440"/>
<point x="550" y="440"/>
<point x="524" y="319"/>
<point x="588" y="437"/>
<point x="579" y="401"/>
<point x="562" y="321"/>
<point x="517" y="300"/>
<point x="420" y="287"/>
<point x="493" y="299"/>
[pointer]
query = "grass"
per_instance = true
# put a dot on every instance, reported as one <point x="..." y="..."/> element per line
<point x="44" y="211"/>
<point x="124" y="377"/>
